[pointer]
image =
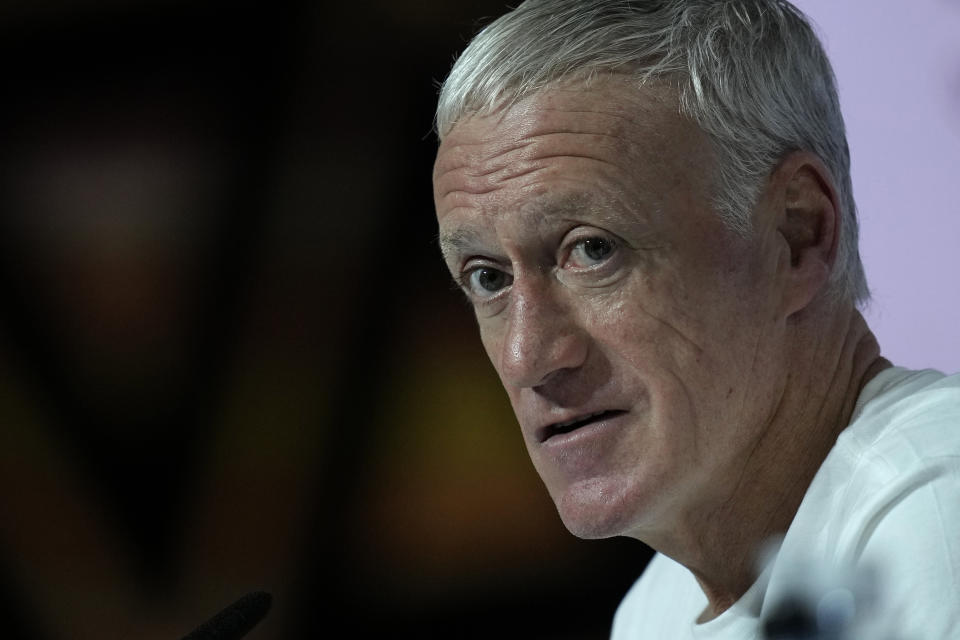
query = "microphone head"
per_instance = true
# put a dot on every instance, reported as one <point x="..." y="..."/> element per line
<point x="236" y="620"/>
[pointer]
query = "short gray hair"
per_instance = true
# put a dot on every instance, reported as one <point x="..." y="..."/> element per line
<point x="750" y="73"/>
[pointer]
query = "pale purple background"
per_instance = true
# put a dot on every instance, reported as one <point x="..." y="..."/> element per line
<point x="898" y="69"/>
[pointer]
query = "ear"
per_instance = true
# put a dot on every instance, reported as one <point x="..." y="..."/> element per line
<point x="808" y="222"/>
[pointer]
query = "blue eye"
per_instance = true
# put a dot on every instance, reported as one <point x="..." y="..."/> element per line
<point x="483" y="282"/>
<point x="591" y="251"/>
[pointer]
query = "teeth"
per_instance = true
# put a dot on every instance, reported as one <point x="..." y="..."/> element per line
<point x="563" y="425"/>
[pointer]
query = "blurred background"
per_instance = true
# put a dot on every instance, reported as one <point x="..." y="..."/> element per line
<point x="230" y="355"/>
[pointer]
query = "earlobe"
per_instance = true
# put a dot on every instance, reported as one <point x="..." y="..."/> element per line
<point x="809" y="225"/>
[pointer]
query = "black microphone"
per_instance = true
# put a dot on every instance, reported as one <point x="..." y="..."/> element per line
<point x="236" y="620"/>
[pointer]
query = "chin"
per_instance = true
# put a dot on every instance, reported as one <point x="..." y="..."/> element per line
<point x="593" y="510"/>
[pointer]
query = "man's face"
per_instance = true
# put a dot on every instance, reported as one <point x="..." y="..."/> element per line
<point x="638" y="339"/>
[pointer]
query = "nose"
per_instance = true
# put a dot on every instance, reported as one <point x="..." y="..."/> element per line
<point x="542" y="336"/>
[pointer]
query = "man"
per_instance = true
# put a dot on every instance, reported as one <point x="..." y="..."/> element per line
<point x="649" y="206"/>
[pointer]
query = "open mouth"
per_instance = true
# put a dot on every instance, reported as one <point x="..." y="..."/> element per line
<point x="566" y="427"/>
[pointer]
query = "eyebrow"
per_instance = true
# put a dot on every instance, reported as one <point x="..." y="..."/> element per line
<point x="457" y="240"/>
<point x="550" y="206"/>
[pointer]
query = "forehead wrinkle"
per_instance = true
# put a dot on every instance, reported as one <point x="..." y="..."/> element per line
<point x="492" y="149"/>
<point x="533" y="118"/>
<point x="499" y="167"/>
<point x="466" y="154"/>
<point x="488" y="150"/>
<point x="462" y="157"/>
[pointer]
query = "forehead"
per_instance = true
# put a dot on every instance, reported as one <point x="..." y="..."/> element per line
<point x="607" y="113"/>
<point x="601" y="144"/>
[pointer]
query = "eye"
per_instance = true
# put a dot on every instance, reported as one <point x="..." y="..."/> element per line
<point x="485" y="282"/>
<point x="591" y="251"/>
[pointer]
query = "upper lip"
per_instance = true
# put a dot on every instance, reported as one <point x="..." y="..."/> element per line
<point x="546" y="430"/>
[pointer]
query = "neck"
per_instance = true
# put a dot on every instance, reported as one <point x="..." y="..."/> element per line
<point x="834" y="359"/>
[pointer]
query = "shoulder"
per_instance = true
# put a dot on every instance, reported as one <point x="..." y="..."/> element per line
<point x="905" y="423"/>
<point x="887" y="498"/>
<point x="906" y="526"/>
<point x="903" y="445"/>
<point x="904" y="431"/>
<point x="899" y="397"/>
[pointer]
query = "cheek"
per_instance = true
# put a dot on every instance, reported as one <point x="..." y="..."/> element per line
<point x="654" y="360"/>
<point x="646" y="326"/>
<point x="680" y="360"/>
<point x="491" y="337"/>
<point x="712" y="378"/>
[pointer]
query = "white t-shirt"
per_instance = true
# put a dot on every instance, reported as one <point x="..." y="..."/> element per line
<point x="886" y="498"/>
